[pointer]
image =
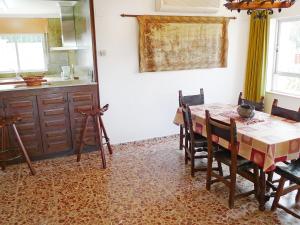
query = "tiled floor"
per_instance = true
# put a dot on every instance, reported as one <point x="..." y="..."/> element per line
<point x="145" y="183"/>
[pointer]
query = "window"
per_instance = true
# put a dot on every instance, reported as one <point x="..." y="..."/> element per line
<point x="22" y="53"/>
<point x="284" y="52"/>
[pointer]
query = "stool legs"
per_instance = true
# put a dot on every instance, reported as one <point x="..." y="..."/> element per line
<point x="82" y="138"/>
<point x="106" y="136"/>
<point x="101" y="149"/>
<point x="98" y="123"/>
<point x="33" y="172"/>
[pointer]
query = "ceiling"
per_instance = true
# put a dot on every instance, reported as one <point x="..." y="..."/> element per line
<point x="29" y="8"/>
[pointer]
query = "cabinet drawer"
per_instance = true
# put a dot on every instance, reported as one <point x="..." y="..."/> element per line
<point x="28" y="127"/>
<point x="55" y="122"/>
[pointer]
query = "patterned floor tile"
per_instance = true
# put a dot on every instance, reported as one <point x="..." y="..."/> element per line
<point x="145" y="183"/>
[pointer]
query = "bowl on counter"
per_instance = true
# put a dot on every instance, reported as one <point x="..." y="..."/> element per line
<point x="34" y="80"/>
<point x="246" y="110"/>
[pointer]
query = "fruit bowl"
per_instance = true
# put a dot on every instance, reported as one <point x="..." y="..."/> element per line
<point x="33" y="80"/>
<point x="246" y="110"/>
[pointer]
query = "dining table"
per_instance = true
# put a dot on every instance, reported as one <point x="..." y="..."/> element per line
<point x="263" y="139"/>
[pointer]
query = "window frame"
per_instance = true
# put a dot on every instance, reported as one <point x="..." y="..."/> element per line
<point x="45" y="51"/>
<point x="275" y="71"/>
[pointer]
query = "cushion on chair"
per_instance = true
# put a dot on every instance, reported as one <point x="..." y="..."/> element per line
<point x="290" y="172"/>
<point x="200" y="141"/>
<point x="224" y="156"/>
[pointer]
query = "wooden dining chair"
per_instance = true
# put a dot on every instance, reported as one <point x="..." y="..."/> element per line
<point x="217" y="130"/>
<point x="194" y="143"/>
<point x="287" y="114"/>
<point x="190" y="100"/>
<point x="259" y="106"/>
<point x="290" y="172"/>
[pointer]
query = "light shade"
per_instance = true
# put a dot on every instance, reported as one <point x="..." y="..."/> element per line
<point x="258" y="5"/>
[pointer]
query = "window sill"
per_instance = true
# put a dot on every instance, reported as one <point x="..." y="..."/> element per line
<point x="283" y="94"/>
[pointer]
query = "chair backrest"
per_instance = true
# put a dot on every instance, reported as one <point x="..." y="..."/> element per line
<point x="222" y="130"/>
<point x="285" y="113"/>
<point x="188" y="123"/>
<point x="259" y="106"/>
<point x="191" y="99"/>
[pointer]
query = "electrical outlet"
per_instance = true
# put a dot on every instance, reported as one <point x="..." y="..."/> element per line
<point x="102" y="52"/>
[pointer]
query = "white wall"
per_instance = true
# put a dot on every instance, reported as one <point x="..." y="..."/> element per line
<point x="143" y="105"/>
<point x="285" y="101"/>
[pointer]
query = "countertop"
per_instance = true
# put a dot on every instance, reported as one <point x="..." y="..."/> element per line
<point x="52" y="82"/>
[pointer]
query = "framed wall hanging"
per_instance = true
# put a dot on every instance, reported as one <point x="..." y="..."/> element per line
<point x="188" y="6"/>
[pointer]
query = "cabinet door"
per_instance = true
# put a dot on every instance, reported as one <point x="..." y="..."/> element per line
<point x="82" y="100"/>
<point x="1" y="108"/>
<point x="28" y="127"/>
<point x="55" y="123"/>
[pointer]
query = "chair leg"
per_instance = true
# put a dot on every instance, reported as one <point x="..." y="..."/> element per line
<point x="101" y="149"/>
<point x="262" y="190"/>
<point x="23" y="149"/>
<point x="106" y="136"/>
<point x="220" y="169"/>
<point x="209" y="171"/>
<point x="186" y="158"/>
<point x="297" y="199"/>
<point x="269" y="179"/>
<point x="82" y="138"/>
<point x="186" y="150"/>
<point x="192" y="161"/>
<point x="180" y="137"/>
<point x="278" y="193"/>
<point x="232" y="187"/>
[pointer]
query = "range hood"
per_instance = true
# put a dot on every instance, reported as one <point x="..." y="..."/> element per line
<point x="67" y="27"/>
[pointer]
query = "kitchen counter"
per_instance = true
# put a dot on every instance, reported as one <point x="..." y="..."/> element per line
<point x="52" y="82"/>
<point x="51" y="123"/>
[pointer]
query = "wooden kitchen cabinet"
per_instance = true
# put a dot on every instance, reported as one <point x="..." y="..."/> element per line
<point x="1" y="115"/>
<point x="51" y="123"/>
<point x="55" y="122"/>
<point x="28" y="127"/>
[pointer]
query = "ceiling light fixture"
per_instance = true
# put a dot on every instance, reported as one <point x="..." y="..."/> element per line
<point x="258" y="5"/>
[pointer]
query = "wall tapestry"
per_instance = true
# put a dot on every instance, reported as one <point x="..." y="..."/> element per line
<point x="182" y="42"/>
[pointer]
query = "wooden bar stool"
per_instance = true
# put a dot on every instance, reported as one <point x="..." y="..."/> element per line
<point x="96" y="115"/>
<point x="7" y="152"/>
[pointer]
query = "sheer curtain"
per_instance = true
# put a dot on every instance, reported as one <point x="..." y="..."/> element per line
<point x="22" y="53"/>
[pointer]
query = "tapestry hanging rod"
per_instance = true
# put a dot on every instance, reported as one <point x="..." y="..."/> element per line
<point x="130" y="15"/>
